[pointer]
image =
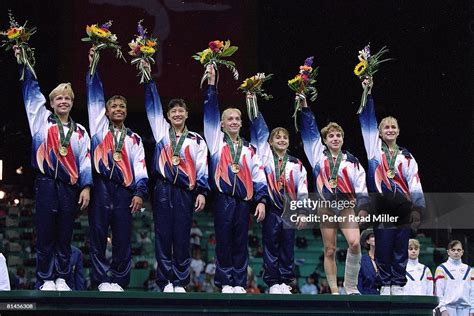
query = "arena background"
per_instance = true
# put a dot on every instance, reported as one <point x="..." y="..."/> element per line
<point x="428" y="87"/>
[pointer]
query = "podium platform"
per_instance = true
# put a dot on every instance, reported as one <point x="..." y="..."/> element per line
<point x="149" y="303"/>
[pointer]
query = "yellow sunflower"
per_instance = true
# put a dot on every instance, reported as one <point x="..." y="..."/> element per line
<point x="99" y="32"/>
<point x="360" y="68"/>
<point x="206" y="52"/>
<point x="296" y="79"/>
<point x="147" y="50"/>
<point x="244" y="85"/>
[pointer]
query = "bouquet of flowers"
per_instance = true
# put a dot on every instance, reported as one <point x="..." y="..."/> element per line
<point x="213" y="55"/>
<point x="18" y="36"/>
<point x="303" y="84"/>
<point x="142" y="49"/>
<point x="368" y="65"/>
<point x="252" y="87"/>
<point x="101" y="38"/>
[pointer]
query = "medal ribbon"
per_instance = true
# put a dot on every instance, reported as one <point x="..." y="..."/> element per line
<point x="279" y="170"/>
<point x="334" y="168"/>
<point x="390" y="158"/>
<point x="235" y="155"/>
<point x="118" y="144"/>
<point x="64" y="140"/>
<point x="176" y="148"/>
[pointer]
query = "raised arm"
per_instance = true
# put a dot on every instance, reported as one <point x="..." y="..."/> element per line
<point x="34" y="103"/>
<point x="95" y="102"/>
<point x="368" y="124"/>
<point x="259" y="136"/>
<point x="154" y="110"/>
<point x="212" y="121"/>
<point x="33" y="99"/>
<point x="313" y="146"/>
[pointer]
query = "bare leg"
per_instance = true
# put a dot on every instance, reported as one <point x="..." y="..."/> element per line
<point x="329" y="234"/>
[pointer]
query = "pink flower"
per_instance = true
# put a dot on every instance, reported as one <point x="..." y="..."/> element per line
<point x="216" y="46"/>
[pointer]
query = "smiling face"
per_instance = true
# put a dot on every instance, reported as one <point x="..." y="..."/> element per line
<point x="62" y="104"/>
<point x="388" y="129"/>
<point x="116" y="110"/>
<point x="334" y="140"/>
<point x="279" y="139"/>
<point x="177" y="116"/>
<point x="333" y="136"/>
<point x="231" y="121"/>
<point x="61" y="99"/>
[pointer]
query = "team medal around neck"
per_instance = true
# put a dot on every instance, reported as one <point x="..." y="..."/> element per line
<point x="334" y="168"/>
<point x="390" y="160"/>
<point x="118" y="144"/>
<point x="64" y="140"/>
<point x="175" y="159"/>
<point x="235" y="155"/>
<point x="279" y="170"/>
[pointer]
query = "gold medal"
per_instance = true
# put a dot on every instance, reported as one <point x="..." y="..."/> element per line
<point x="390" y="173"/>
<point x="333" y="183"/>
<point x="175" y="160"/>
<point x="62" y="151"/>
<point x="235" y="168"/>
<point x="117" y="156"/>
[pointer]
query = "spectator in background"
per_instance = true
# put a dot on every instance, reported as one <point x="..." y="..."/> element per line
<point x="195" y="236"/>
<point x="150" y="284"/>
<point x="252" y="287"/>
<point x="197" y="264"/>
<point x="324" y="287"/>
<point x="20" y="282"/>
<point x="309" y="287"/>
<point x="368" y="274"/>
<point x="197" y="269"/>
<point x="4" y="279"/>
<point x="211" y="267"/>
<point x="210" y="271"/>
<point x="77" y="280"/>
<point x="208" y="284"/>
<point x="143" y="238"/>
<point x="211" y="241"/>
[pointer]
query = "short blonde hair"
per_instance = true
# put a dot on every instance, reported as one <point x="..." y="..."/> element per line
<point x="227" y="111"/>
<point x="331" y="126"/>
<point x="414" y="243"/>
<point x="388" y="119"/>
<point x="62" y="88"/>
